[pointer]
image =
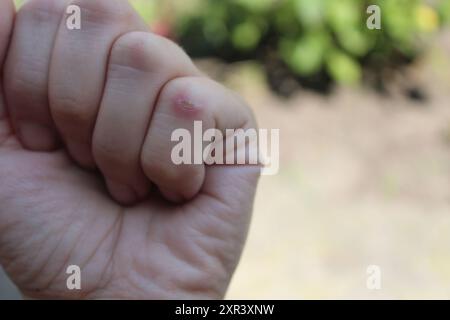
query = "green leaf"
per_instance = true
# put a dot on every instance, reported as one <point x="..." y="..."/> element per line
<point x="343" y="68"/>
<point x="306" y="56"/>
<point x="344" y="14"/>
<point x="246" y="36"/>
<point x="356" y="41"/>
<point x="398" y="20"/>
<point x="310" y="13"/>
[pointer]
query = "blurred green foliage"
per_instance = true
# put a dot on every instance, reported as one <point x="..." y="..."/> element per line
<point x="312" y="36"/>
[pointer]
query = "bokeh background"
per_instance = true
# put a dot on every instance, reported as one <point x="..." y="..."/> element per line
<point x="365" y="139"/>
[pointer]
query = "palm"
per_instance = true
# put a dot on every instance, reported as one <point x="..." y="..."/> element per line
<point x="54" y="214"/>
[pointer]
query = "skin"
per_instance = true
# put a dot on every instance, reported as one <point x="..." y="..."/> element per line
<point x="85" y="171"/>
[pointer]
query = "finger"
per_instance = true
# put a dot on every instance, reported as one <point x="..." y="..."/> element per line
<point x="78" y="68"/>
<point x="183" y="102"/>
<point x="6" y="25"/>
<point x="140" y="64"/>
<point x="27" y="72"/>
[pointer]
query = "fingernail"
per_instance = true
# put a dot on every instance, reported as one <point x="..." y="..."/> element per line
<point x="122" y="193"/>
<point x="37" y="137"/>
<point x="82" y="154"/>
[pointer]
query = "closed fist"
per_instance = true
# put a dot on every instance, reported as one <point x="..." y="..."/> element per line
<point x="86" y="175"/>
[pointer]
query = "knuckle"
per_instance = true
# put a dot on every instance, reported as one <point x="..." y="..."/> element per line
<point x="143" y="51"/>
<point x="180" y="99"/>
<point x="129" y="50"/>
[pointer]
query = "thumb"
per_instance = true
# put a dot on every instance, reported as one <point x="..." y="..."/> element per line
<point x="228" y="192"/>
<point x="234" y="186"/>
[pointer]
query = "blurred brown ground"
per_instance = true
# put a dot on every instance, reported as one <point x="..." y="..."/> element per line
<point x="364" y="179"/>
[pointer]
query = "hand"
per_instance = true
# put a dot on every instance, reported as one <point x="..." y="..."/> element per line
<point x="86" y="179"/>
